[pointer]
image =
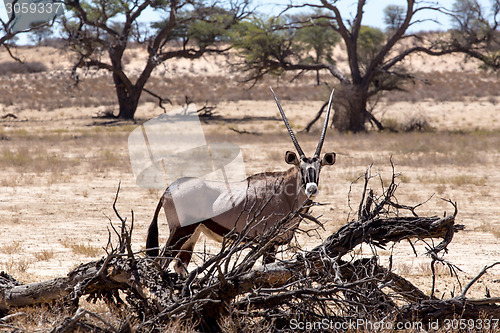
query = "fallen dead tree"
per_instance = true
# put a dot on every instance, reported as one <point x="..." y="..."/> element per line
<point x="316" y="286"/>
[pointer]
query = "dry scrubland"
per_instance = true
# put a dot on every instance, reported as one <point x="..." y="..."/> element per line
<point x="61" y="162"/>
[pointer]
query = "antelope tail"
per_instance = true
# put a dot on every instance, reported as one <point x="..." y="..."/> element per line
<point x="152" y="240"/>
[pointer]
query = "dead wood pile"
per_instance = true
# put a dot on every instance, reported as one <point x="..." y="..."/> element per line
<point x="328" y="284"/>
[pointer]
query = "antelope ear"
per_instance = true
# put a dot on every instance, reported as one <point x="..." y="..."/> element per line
<point x="291" y="158"/>
<point x="328" y="159"/>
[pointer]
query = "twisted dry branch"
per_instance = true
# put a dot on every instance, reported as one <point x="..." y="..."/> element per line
<point x="310" y="285"/>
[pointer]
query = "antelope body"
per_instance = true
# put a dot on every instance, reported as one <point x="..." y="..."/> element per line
<point x="251" y="206"/>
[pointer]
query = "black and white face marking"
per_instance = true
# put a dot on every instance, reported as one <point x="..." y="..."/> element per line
<point x="309" y="169"/>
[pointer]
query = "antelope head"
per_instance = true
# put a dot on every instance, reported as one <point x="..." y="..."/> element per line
<point x="309" y="168"/>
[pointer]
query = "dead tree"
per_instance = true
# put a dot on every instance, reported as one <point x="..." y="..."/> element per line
<point x="326" y="283"/>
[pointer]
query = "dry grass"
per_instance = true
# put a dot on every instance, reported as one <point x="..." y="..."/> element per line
<point x="107" y="158"/>
<point x="493" y="228"/>
<point x="17" y="267"/>
<point x="81" y="248"/>
<point x="455" y="180"/>
<point x="59" y="149"/>
<point x="42" y="317"/>
<point x="460" y="149"/>
<point x="44" y="255"/>
<point x="275" y="155"/>
<point x="31" y="160"/>
<point x="421" y="269"/>
<point x="8" y="68"/>
<point x="45" y="317"/>
<point x="404" y="269"/>
<point x="57" y="90"/>
<point x="12" y="248"/>
<point x="30" y="154"/>
<point x="414" y="123"/>
<point x="449" y="86"/>
<point x="86" y="250"/>
<point x="426" y="270"/>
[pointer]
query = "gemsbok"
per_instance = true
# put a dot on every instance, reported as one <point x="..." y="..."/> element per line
<point x="193" y="205"/>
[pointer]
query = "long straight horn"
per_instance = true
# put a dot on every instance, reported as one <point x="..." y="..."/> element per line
<point x="290" y="131"/>
<point x="322" y="138"/>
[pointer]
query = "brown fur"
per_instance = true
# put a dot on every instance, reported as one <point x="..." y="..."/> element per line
<point x="264" y="206"/>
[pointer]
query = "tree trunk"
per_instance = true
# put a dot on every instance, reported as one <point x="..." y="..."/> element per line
<point x="86" y="279"/>
<point x="350" y="106"/>
<point x="128" y="96"/>
<point x="128" y="104"/>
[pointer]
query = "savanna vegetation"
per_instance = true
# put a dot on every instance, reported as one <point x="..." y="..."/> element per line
<point x="427" y="125"/>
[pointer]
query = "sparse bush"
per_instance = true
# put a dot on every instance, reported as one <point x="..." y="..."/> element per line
<point x="18" y="158"/>
<point x="80" y="248"/>
<point x="275" y="155"/>
<point x="440" y="189"/>
<point x="11" y="248"/>
<point x="37" y="161"/>
<point x="417" y="123"/>
<point x="391" y="124"/>
<point x="448" y="86"/>
<point x="17" y="266"/>
<point x="96" y="90"/>
<point x="404" y="178"/>
<point x="86" y="250"/>
<point x="426" y="269"/>
<point x="491" y="228"/>
<point x="44" y="255"/>
<point x="405" y="269"/>
<point x="23" y="264"/>
<point x="459" y="180"/>
<point x="107" y="113"/>
<point x="14" y="67"/>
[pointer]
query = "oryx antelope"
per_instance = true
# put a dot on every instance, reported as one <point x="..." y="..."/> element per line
<point x="262" y="200"/>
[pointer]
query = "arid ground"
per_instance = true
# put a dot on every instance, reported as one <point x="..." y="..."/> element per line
<point x="61" y="161"/>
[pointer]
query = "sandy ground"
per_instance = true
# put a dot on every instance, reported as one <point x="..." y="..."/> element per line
<point x="61" y="169"/>
<point x="62" y="60"/>
<point x="47" y="215"/>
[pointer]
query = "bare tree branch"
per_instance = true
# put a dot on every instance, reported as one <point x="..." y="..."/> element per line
<point x="310" y="285"/>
